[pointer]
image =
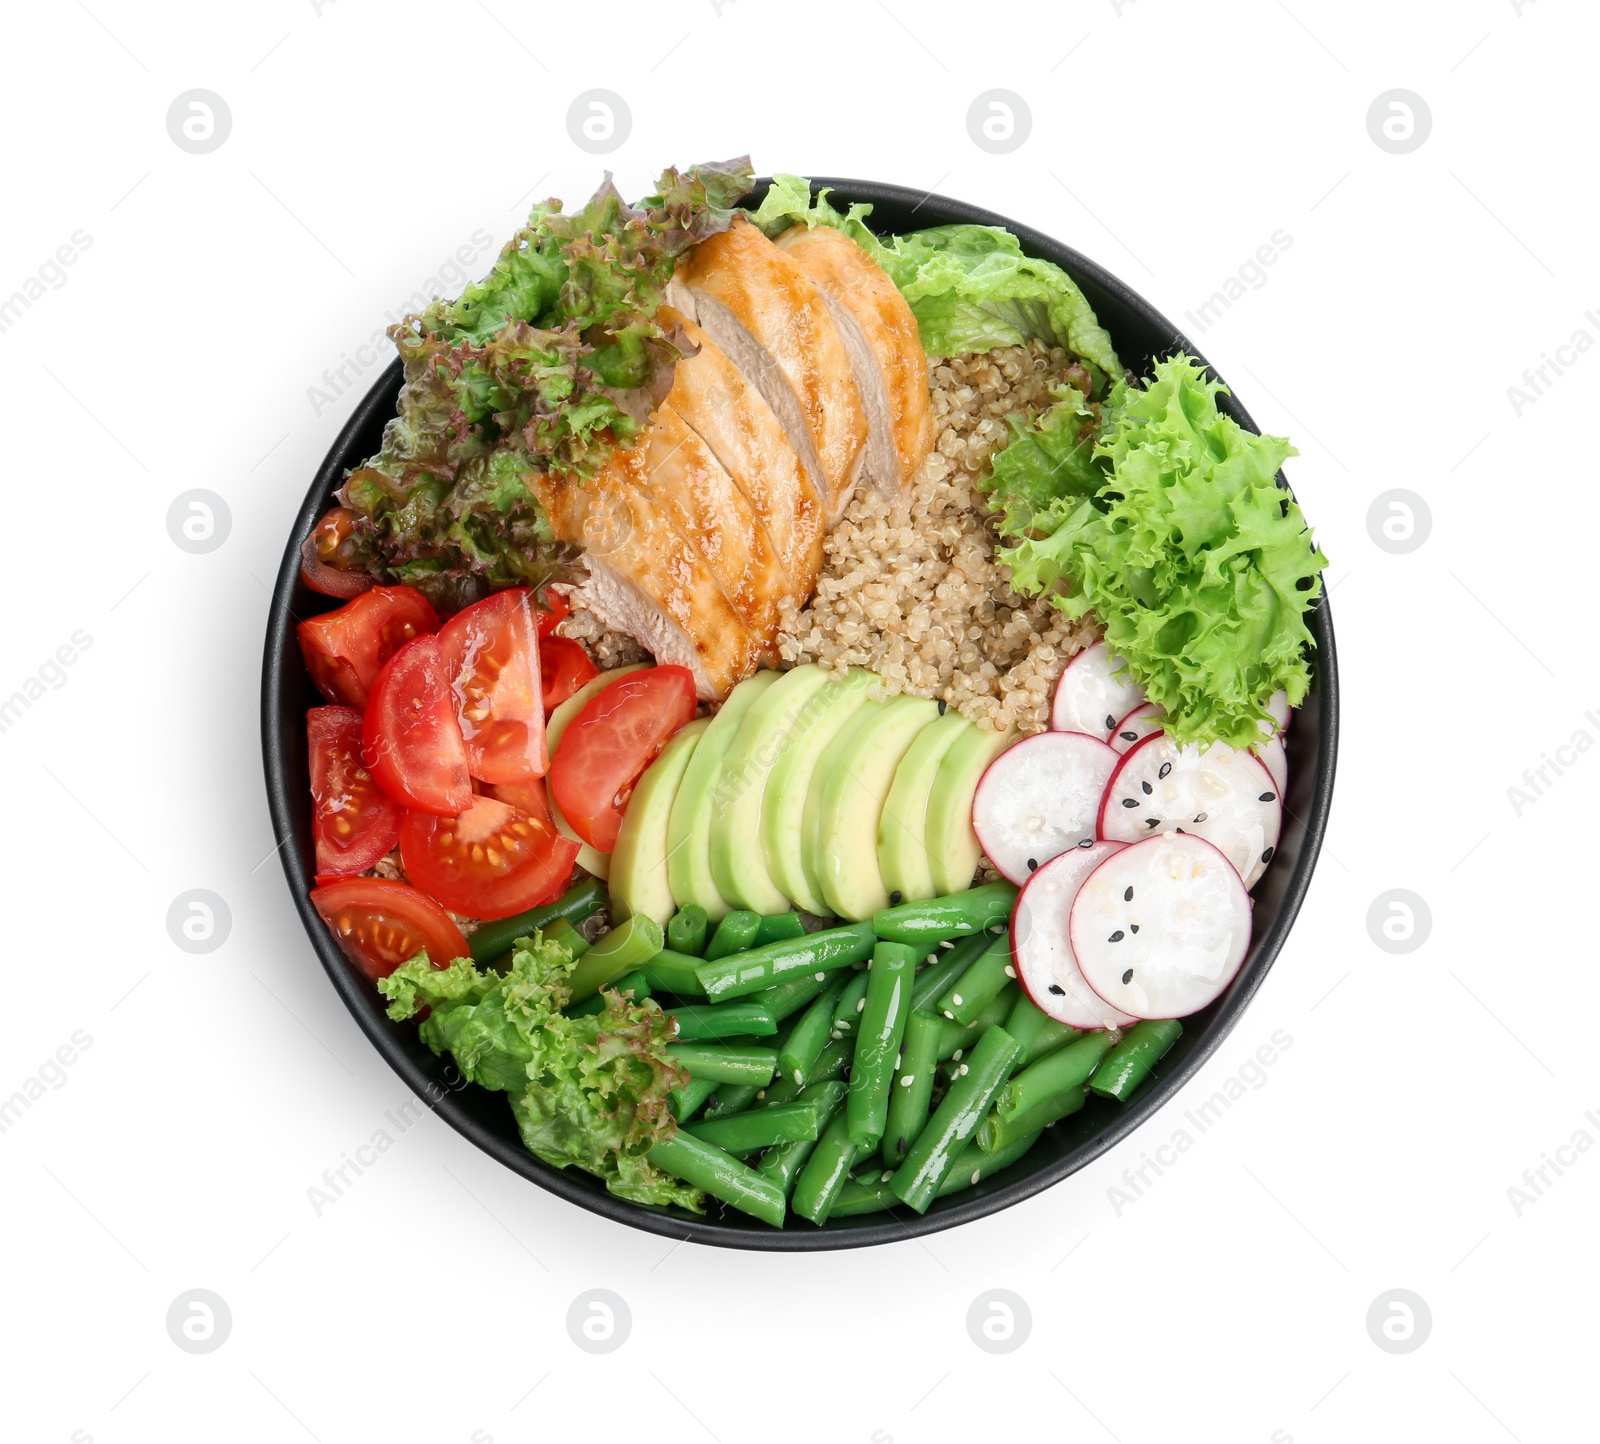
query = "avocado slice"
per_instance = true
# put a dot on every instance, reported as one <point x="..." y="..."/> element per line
<point x="953" y="850"/>
<point x="769" y="730"/>
<point x="639" y="860"/>
<point x="852" y="783"/>
<point x="903" y="829"/>
<point x="783" y="805"/>
<point x="689" y="830"/>
<point x="591" y="860"/>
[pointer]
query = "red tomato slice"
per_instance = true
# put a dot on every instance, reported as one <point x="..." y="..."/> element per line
<point x="381" y="924"/>
<point x="353" y="820"/>
<point x="345" y="650"/>
<point x="322" y="554"/>
<point x="530" y="797"/>
<point x="491" y="656"/>
<point x="607" y="746"/>
<point x="563" y="667"/>
<point x="492" y="861"/>
<point x="558" y="607"/>
<point x="409" y="735"/>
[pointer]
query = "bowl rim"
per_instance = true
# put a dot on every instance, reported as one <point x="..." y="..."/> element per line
<point x="282" y="652"/>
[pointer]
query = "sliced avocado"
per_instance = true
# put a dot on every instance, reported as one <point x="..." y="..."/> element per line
<point x="689" y="830"/>
<point x="590" y="859"/>
<point x="953" y="850"/>
<point x="783" y="805"/>
<point x="639" y="860"/>
<point x="854" y="779"/>
<point x="769" y="730"/>
<point x="903" y="828"/>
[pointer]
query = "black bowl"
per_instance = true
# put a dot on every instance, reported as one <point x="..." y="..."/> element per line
<point x="1140" y="334"/>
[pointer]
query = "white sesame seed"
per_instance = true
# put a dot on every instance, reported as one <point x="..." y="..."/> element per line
<point x="963" y="1072"/>
<point x="886" y="1175"/>
<point x="956" y="1056"/>
<point x="956" y="999"/>
<point x="908" y="1080"/>
<point x="860" y="1004"/>
<point x="897" y="1062"/>
<point x="949" y="1015"/>
<point x="822" y="977"/>
<point x="945" y="944"/>
<point x="835" y="1034"/>
<point x="977" y="1173"/>
<point x="799" y="1077"/>
<point x="761" y="1092"/>
<point x="1011" y="972"/>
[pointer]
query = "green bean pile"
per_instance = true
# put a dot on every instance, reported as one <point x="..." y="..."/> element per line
<point x="857" y="1069"/>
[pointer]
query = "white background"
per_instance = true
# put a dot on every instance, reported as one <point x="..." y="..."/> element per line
<point x="1227" y="1303"/>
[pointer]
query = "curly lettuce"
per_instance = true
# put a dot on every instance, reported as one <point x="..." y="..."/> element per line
<point x="586" y="1092"/>
<point x="1197" y="564"/>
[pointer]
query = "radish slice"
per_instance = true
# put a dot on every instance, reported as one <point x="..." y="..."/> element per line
<point x="1142" y="722"/>
<point x="1040" y="798"/>
<point x="1159" y="929"/>
<point x="1278" y="705"/>
<point x="1270" y="754"/>
<point x="1090" y="697"/>
<point x="1224" y="796"/>
<point x="1041" y="946"/>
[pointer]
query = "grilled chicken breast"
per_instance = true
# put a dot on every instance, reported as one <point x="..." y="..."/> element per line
<point x="763" y="310"/>
<point x="880" y="335"/>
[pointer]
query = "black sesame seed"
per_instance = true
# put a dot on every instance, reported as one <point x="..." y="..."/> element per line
<point x="1146" y="788"/>
<point x="1058" y="990"/>
<point x="1267" y="797"/>
<point x="1267" y="855"/>
<point x="1177" y="829"/>
<point x="941" y="706"/>
<point x="1127" y="977"/>
<point x="1128" y="736"/>
<point x="1127" y="895"/>
<point x="1134" y="926"/>
<point x="1166" y="767"/>
<point x="1111" y="722"/>
<point x="1115" y="937"/>
<point x="1087" y="842"/>
<point x="1152" y="822"/>
<point x="1130" y="801"/>
<point x="1199" y="817"/>
<point x="896" y="898"/>
<point x="1033" y="864"/>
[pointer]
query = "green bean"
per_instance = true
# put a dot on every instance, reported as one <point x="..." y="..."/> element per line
<point x="913" y="1087"/>
<point x="996" y="1134"/>
<point x="926" y="923"/>
<point x="724" y="1064"/>
<point x="619" y="952"/>
<point x="787" y="998"/>
<point x="734" y="934"/>
<point x="917" y="1179"/>
<point x="1127" y="1065"/>
<point x="1037" y="1031"/>
<point x="760" y="1128"/>
<point x="976" y="988"/>
<point x="633" y="983"/>
<point x="721" y="1175"/>
<point x="775" y="927"/>
<point x="744" y="973"/>
<point x="847" y="1010"/>
<point x="883" y="1028"/>
<point x="834" y="1062"/>
<point x="670" y="972"/>
<point x="947" y="965"/>
<point x="731" y="1098"/>
<point x="729" y="1020"/>
<point x="685" y="1102"/>
<point x="783" y="1163"/>
<point x="1066" y="1068"/>
<point x="563" y="933"/>
<point x="973" y="1165"/>
<point x="819" y="1181"/>
<point x="686" y="932"/>
<point x="810" y="1034"/>
<point x="867" y="1194"/>
<point x="954" y="1040"/>
<point x="493" y="939"/>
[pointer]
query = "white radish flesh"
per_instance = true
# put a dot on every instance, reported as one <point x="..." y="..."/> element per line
<point x="1278" y="705"/>
<point x="1041" y="944"/>
<point x="1144" y="721"/>
<point x="1270" y="754"/>
<point x="1225" y="796"/>
<point x="1090" y="696"/>
<point x="1040" y="798"/>
<point x="1159" y="929"/>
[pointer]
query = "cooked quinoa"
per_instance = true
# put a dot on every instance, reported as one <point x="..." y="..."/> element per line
<point x="913" y="591"/>
<point x="606" y="649"/>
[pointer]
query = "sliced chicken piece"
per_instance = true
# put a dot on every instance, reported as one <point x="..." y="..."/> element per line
<point x="713" y="397"/>
<point x="675" y="471"/>
<point x="761" y="308"/>
<point x="646" y="580"/>
<point x="880" y="334"/>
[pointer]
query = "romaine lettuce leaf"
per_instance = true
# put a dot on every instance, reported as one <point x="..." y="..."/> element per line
<point x="590" y="1092"/>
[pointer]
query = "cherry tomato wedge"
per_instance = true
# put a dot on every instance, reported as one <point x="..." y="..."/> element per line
<point x="558" y="607"/>
<point x="381" y="924"/>
<point x="563" y="667"/>
<point x="323" y="554"/>
<point x="530" y="797"/>
<point x="346" y="649"/>
<point x="410" y="740"/>
<point x="492" y="861"/>
<point x="353" y="821"/>
<point x="491" y="657"/>
<point x="606" y="747"/>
